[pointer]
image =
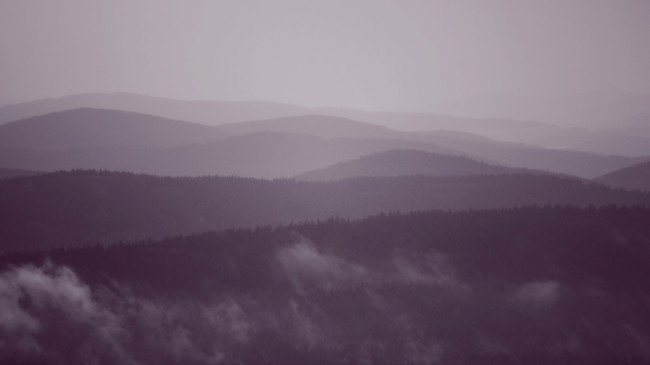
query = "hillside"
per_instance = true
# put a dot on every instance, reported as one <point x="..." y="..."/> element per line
<point x="524" y="286"/>
<point x="82" y="207"/>
<point x="222" y="112"/>
<point x="586" y="164"/>
<point x="107" y="139"/>
<point x="83" y="128"/>
<point x="636" y="177"/>
<point x="404" y="163"/>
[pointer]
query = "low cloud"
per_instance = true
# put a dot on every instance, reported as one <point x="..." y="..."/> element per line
<point x="307" y="267"/>
<point x="48" y="313"/>
<point x="538" y="293"/>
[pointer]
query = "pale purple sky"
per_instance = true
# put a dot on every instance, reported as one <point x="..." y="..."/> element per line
<point x="384" y="55"/>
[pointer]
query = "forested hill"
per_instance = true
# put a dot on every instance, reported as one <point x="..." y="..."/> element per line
<point x="636" y="177"/>
<point x="404" y="163"/>
<point x="87" y="207"/>
<point x="553" y="285"/>
<point x="9" y="173"/>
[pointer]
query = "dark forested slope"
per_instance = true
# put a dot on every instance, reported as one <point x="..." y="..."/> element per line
<point x="526" y="286"/>
<point x="404" y="163"/>
<point x="81" y="207"/>
<point x="635" y="177"/>
<point x="9" y="173"/>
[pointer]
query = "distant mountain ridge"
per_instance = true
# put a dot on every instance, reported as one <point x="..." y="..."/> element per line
<point x="218" y="113"/>
<point x="405" y="163"/>
<point x="590" y="109"/>
<point x="197" y="111"/>
<point x="82" y="128"/>
<point x="117" y="140"/>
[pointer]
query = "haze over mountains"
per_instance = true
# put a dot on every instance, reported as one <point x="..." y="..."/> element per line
<point x="598" y="122"/>
<point x="217" y="113"/>
<point x="281" y="147"/>
<point x="501" y="117"/>
<point x="625" y="134"/>
<point x="594" y="109"/>
<point x="325" y="182"/>
<point x="80" y="128"/>
<point x="203" y="112"/>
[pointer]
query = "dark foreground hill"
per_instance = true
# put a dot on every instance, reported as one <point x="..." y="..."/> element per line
<point x="635" y="177"/>
<point x="81" y="207"/>
<point x="405" y="163"/>
<point x="524" y="286"/>
<point x="9" y="173"/>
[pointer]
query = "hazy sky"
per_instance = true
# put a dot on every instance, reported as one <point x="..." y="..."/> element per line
<point x="399" y="55"/>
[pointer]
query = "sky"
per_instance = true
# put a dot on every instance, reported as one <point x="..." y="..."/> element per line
<point x="403" y="55"/>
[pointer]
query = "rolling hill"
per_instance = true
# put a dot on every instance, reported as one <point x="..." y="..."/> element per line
<point x="404" y="163"/>
<point x="203" y="112"/>
<point x="635" y="177"/>
<point x="83" y="128"/>
<point x="582" y="164"/>
<point x="218" y="113"/>
<point x="108" y="139"/>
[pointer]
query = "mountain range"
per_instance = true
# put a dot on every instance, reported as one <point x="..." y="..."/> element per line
<point x="598" y="109"/>
<point x="109" y="139"/>
<point x="218" y="113"/>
